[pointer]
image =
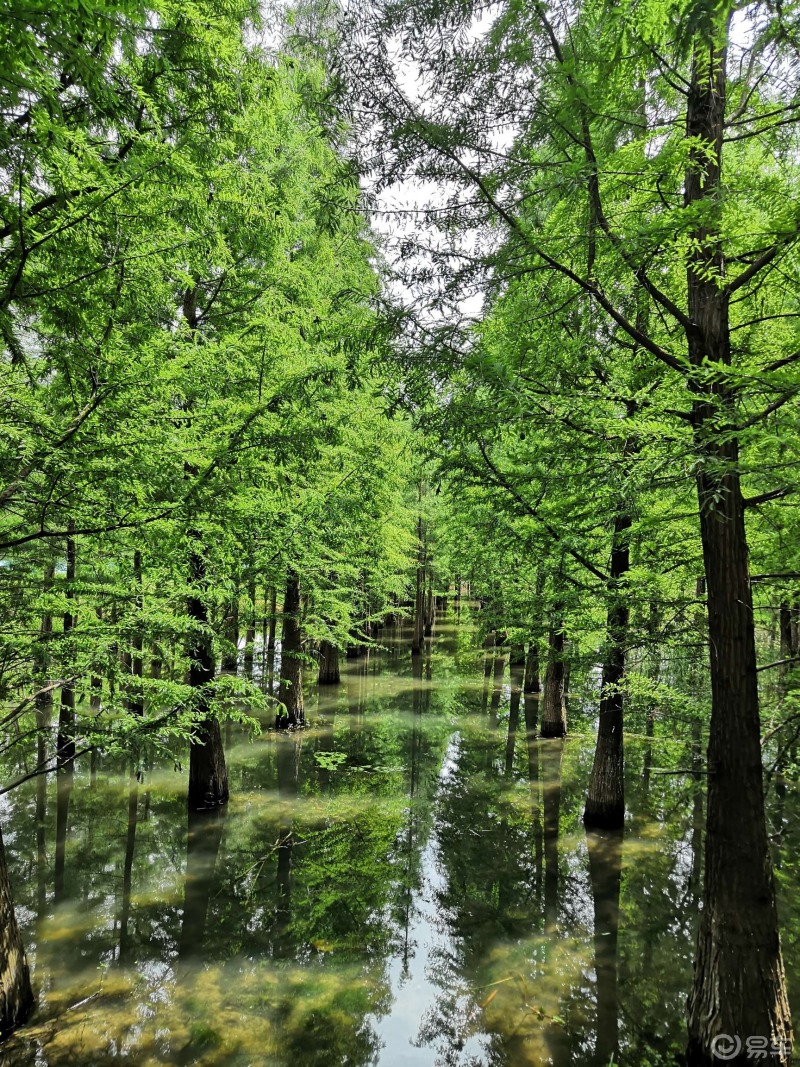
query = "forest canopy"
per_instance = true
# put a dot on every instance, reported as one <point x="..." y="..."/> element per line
<point x="251" y="407"/>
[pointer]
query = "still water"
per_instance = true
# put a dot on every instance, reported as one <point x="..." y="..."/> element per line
<point x="405" y="882"/>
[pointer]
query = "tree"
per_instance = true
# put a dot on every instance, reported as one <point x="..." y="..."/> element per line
<point x="613" y="218"/>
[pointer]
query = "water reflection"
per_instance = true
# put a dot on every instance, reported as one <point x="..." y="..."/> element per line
<point x="605" y="872"/>
<point x="405" y="882"/>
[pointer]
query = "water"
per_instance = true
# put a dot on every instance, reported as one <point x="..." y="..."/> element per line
<point x="406" y="882"/>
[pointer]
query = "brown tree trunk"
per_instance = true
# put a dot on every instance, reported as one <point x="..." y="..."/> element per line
<point x="16" y="995"/>
<point x="137" y="643"/>
<point x="554" y="711"/>
<point x="430" y="607"/>
<point x="65" y="741"/>
<point x="44" y="710"/>
<point x="788" y="648"/>
<point x="419" y="598"/>
<point x="272" y="619"/>
<point x="605" y="801"/>
<point x="739" y="984"/>
<point x="250" y="635"/>
<point x="291" y="692"/>
<point x="328" y="664"/>
<point x="516" y="657"/>
<point x="531" y="683"/>
<point x="208" y="775"/>
<point x="230" y="630"/>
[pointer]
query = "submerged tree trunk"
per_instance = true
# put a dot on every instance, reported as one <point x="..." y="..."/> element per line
<point x="554" y="711"/>
<point x="208" y="775"/>
<point x="291" y="692"/>
<point x="328" y="664"/>
<point x="739" y="984"/>
<point x="605" y="802"/>
<point x="16" y="995"/>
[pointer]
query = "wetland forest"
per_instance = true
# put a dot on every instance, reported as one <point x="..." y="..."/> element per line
<point x="399" y="533"/>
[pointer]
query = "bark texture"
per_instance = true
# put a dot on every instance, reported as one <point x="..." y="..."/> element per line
<point x="230" y="629"/>
<point x="739" y="984"/>
<point x="16" y="995"/>
<point x="208" y="775"/>
<point x="605" y="801"/>
<point x="554" y="709"/>
<point x="250" y="634"/>
<point x="328" y="664"/>
<point x="291" y="693"/>
<point x="65" y="740"/>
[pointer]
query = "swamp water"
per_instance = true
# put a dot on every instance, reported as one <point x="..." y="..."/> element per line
<point x="405" y="882"/>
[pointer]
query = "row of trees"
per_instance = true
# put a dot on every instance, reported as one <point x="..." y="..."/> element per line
<point x="195" y="442"/>
<point x="206" y="422"/>
<point x="619" y="429"/>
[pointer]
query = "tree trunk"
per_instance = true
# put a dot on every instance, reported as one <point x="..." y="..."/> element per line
<point x="44" y="710"/>
<point x="328" y="664"/>
<point x="291" y="692"/>
<point x="739" y="984"/>
<point x="16" y="995"/>
<point x="230" y="630"/>
<point x="554" y="711"/>
<point x="65" y="741"/>
<point x="531" y="683"/>
<point x="208" y="775"/>
<point x="419" y="599"/>
<point x="137" y="643"/>
<point x="788" y="649"/>
<point x="605" y="802"/>
<point x="516" y="656"/>
<point x="273" y="615"/>
<point x="430" y="606"/>
<point x="250" y="635"/>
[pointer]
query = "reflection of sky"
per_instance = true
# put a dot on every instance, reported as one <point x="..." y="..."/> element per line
<point x="484" y="980"/>
<point x="415" y="990"/>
